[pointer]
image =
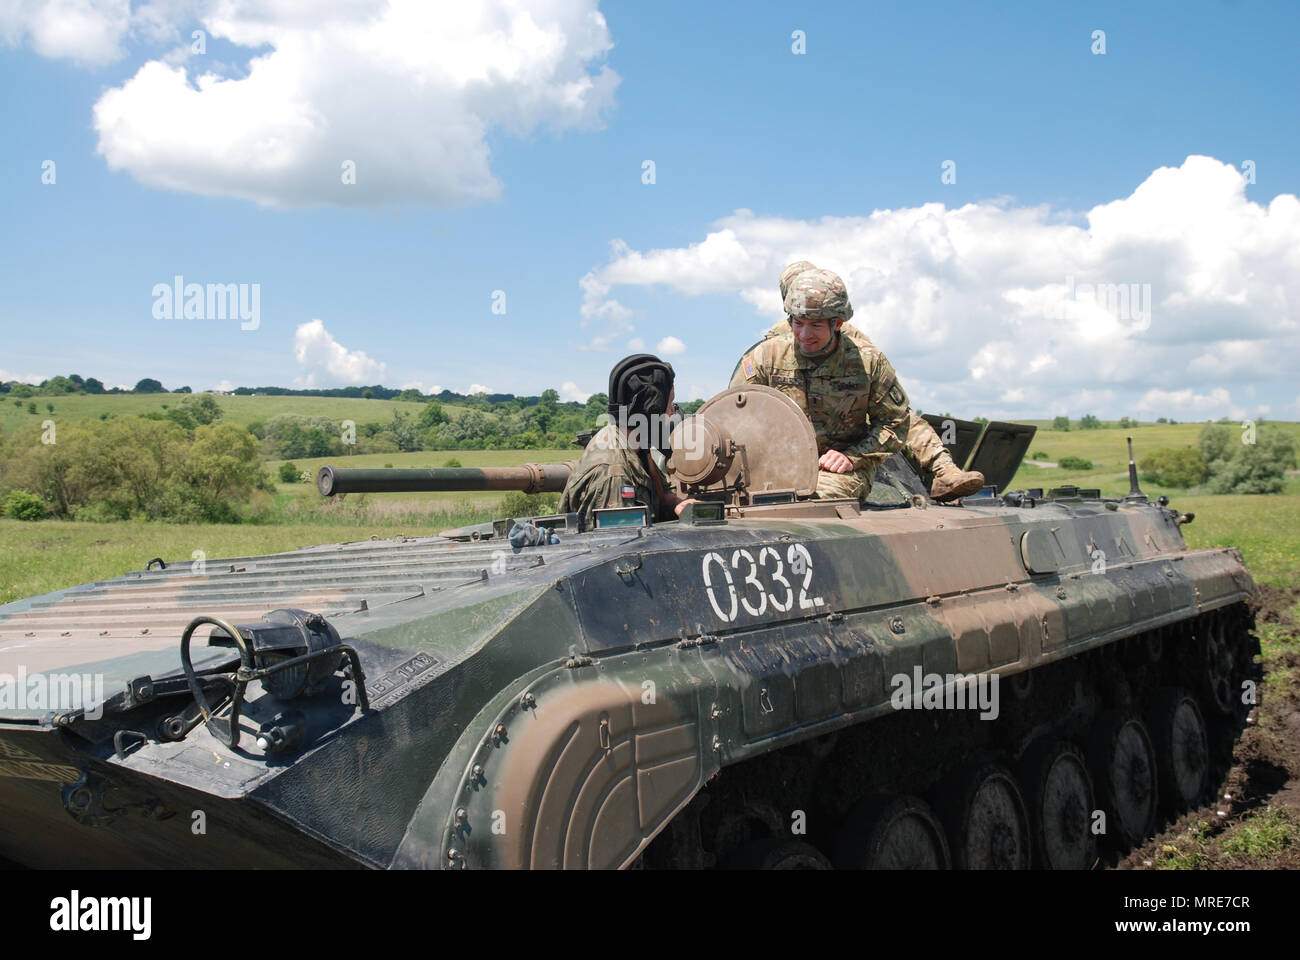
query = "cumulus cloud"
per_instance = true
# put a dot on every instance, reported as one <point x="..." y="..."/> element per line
<point x="636" y="344"/>
<point x="346" y="102"/>
<point x="670" y="346"/>
<point x="1003" y="310"/>
<point x="34" y="379"/>
<point x="478" y="388"/>
<point x="325" y="360"/>
<point x="570" y="391"/>
<point x="419" y="385"/>
<point x="89" y="32"/>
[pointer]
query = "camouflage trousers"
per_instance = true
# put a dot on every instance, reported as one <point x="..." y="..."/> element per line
<point x="855" y="483"/>
<point x="922" y="445"/>
<point x="922" y="448"/>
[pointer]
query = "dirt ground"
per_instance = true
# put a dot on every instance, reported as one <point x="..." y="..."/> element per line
<point x="1254" y="822"/>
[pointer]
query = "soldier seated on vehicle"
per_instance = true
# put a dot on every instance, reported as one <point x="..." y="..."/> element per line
<point x="921" y="445"/>
<point x="616" y="469"/>
<point x="849" y="392"/>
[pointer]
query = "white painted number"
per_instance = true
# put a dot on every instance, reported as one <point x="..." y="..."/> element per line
<point x="782" y="600"/>
<point x="708" y="586"/>
<point x="801" y="563"/>
<point x="778" y="577"/>
<point x="751" y="577"/>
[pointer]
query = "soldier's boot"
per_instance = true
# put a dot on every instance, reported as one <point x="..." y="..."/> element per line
<point x="951" y="483"/>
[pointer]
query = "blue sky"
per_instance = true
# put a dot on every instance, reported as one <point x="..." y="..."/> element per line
<point x="516" y="164"/>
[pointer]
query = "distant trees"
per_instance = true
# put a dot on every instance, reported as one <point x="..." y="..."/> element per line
<point x="203" y="408"/>
<point x="1089" y="422"/>
<point x="1236" y="465"/>
<point x="134" y="467"/>
<point x="149" y="385"/>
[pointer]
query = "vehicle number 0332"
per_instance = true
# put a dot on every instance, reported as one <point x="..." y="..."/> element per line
<point x="753" y="579"/>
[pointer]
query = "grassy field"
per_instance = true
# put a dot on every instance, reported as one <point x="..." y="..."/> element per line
<point x="237" y="410"/>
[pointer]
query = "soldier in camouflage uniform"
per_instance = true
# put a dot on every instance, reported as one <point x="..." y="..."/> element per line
<point x="852" y="396"/>
<point x="921" y="445"/>
<point x="615" y="469"/>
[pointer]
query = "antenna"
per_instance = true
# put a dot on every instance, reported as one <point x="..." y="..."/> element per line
<point x="1135" y="495"/>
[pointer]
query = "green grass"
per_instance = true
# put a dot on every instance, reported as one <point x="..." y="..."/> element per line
<point x="1268" y="834"/>
<point x="240" y="411"/>
<point x="53" y="554"/>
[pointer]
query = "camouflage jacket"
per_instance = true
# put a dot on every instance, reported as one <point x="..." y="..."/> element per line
<point x="611" y="474"/>
<point x="851" y="395"/>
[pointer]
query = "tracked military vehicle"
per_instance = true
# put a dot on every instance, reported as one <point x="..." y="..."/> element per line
<point x="1022" y="678"/>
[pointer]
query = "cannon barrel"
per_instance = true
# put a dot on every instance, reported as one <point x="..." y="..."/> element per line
<point x="530" y="478"/>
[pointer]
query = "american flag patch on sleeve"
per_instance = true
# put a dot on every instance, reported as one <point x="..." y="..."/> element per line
<point x="747" y="365"/>
<point x="629" y="492"/>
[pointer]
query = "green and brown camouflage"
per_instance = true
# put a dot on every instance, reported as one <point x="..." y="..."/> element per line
<point x="656" y="694"/>
<point x="852" y="397"/>
<point x="790" y="272"/>
<point x="817" y="294"/>
<point x="922" y="444"/>
<point x="610" y="474"/>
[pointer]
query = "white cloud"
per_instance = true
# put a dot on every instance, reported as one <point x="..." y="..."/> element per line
<point x="325" y="360"/>
<point x="407" y="91"/>
<point x="1188" y="401"/>
<point x="225" y="386"/>
<point x="89" y="32"/>
<point x="35" y="379"/>
<point x="670" y="346"/>
<point x="478" y="388"/>
<point x="570" y="391"/>
<point x="419" y="385"/>
<point x="1003" y="310"/>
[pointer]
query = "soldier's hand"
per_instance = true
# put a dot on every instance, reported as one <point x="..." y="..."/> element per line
<point x="835" y="462"/>
<point x="677" y="509"/>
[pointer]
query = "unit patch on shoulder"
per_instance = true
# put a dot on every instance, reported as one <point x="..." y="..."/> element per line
<point x="747" y="365"/>
<point x="628" y="492"/>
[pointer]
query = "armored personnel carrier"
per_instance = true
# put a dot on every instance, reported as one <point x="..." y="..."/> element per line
<point x="1023" y="678"/>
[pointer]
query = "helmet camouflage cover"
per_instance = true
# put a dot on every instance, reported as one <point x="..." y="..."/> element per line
<point x="792" y="271"/>
<point x="818" y="295"/>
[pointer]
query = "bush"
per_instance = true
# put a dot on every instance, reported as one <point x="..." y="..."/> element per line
<point x="31" y="407"/>
<point x="1174" y="467"/>
<point x="1061" y="423"/>
<point x="288" y="472"/>
<point x="520" y="504"/>
<point x="1038" y="455"/>
<point x="1075" y="463"/>
<point x="25" y="505"/>
<point x="452" y="462"/>
<point x="1238" y="467"/>
<point x="1089" y="422"/>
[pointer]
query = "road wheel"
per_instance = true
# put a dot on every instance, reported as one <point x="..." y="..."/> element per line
<point x="1182" y="750"/>
<point x="1124" y="770"/>
<point x="1058" y="795"/>
<point x="778" y="854"/>
<point x="892" y="834"/>
<point x="988" y="827"/>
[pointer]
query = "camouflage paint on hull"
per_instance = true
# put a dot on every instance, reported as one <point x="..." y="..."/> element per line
<point x="557" y="707"/>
